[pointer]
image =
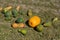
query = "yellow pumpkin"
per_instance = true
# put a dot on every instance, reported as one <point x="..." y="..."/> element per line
<point x="34" y="21"/>
<point x="18" y="8"/>
<point x="1" y="8"/>
<point x="30" y="12"/>
<point x="15" y="25"/>
<point x="8" y="8"/>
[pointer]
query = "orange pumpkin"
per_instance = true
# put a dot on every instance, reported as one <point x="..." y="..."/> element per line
<point x="21" y="25"/>
<point x="34" y="21"/>
<point x="14" y="25"/>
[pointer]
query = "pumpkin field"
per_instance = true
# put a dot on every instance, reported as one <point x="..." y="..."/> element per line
<point x="29" y="19"/>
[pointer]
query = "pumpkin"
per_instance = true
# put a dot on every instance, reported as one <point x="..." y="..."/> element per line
<point x="18" y="8"/>
<point x="15" y="25"/>
<point x="15" y="13"/>
<point x="29" y="12"/>
<point x="7" y="9"/>
<point x="55" y="19"/>
<point x="1" y="8"/>
<point x="48" y="24"/>
<point x="19" y="20"/>
<point x="21" y="25"/>
<point x="21" y="12"/>
<point x="8" y="18"/>
<point x="39" y="28"/>
<point x="23" y="31"/>
<point x="34" y="21"/>
<point x="8" y="14"/>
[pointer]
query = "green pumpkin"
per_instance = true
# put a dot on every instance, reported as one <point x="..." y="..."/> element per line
<point x="23" y="31"/>
<point x="39" y="28"/>
<point x="48" y="24"/>
<point x="7" y="18"/>
<point x="21" y="12"/>
<point x="15" y="13"/>
<point x="8" y="14"/>
<point x="19" y="20"/>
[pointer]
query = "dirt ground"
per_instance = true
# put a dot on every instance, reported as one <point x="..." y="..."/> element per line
<point x="46" y="9"/>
